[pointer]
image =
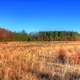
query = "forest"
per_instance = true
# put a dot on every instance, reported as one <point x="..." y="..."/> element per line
<point x="46" y="36"/>
<point x="6" y="35"/>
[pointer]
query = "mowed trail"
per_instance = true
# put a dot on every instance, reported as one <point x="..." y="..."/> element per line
<point x="21" y="60"/>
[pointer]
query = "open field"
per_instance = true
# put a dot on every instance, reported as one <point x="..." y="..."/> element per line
<point x="40" y="60"/>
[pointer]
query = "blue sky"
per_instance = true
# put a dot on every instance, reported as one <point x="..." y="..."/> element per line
<point x="40" y="15"/>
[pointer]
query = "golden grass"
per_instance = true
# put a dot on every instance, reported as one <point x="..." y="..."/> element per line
<point x="35" y="60"/>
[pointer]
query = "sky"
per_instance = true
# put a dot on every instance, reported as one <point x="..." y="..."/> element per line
<point x="40" y="15"/>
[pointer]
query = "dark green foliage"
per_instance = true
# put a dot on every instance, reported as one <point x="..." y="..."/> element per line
<point x="44" y="36"/>
<point x="56" y="36"/>
<point x="21" y="36"/>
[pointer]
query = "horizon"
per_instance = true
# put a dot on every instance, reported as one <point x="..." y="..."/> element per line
<point x="39" y="30"/>
<point x="41" y="15"/>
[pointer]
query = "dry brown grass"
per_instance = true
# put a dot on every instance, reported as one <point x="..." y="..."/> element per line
<point x="39" y="60"/>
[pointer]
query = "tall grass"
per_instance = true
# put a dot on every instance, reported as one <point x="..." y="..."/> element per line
<point x="39" y="61"/>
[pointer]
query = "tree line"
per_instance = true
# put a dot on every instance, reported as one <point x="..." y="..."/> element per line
<point x="46" y="36"/>
<point x="39" y="36"/>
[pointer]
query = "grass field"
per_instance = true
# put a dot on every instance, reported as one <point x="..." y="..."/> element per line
<point x="40" y="60"/>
